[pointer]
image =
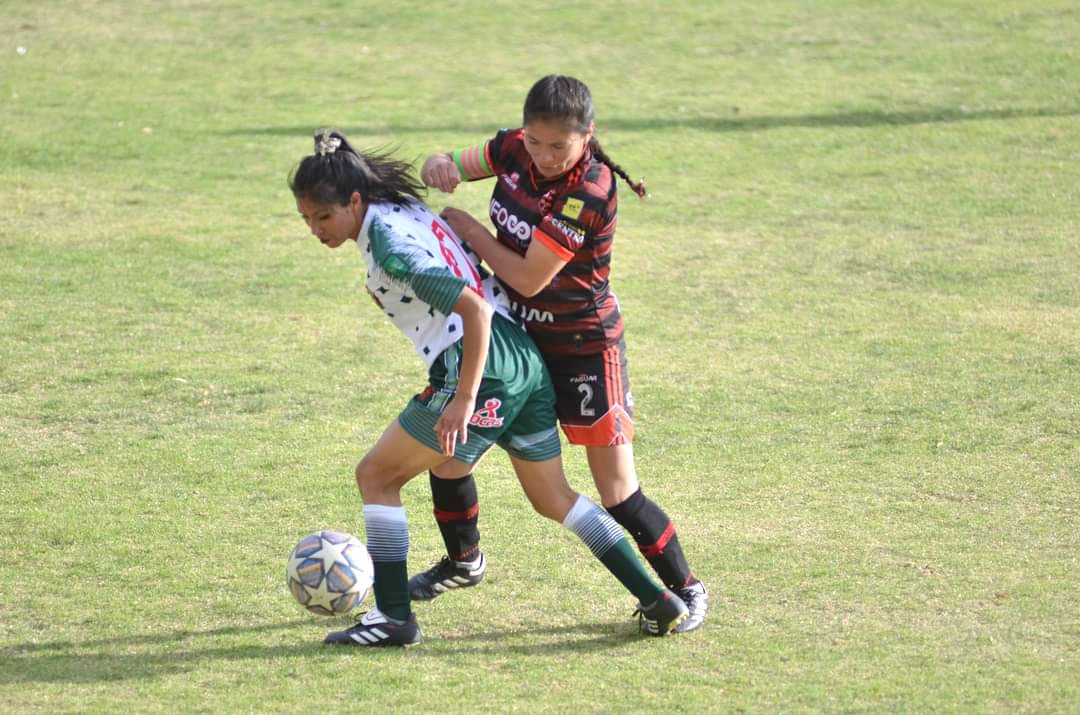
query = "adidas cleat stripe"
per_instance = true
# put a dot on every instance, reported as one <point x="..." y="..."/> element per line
<point x="446" y="575"/>
<point x="374" y="629"/>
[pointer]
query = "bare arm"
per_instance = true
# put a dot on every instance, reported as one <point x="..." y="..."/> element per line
<point x="475" y="314"/>
<point x="528" y="274"/>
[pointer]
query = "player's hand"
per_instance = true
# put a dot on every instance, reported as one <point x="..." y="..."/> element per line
<point x="463" y="224"/>
<point x="440" y="172"/>
<point x="453" y="424"/>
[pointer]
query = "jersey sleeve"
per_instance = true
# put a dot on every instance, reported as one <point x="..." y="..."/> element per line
<point x="409" y="265"/>
<point x="480" y="161"/>
<point x="565" y="229"/>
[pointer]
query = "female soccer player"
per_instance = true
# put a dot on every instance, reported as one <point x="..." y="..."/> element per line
<point x="487" y="382"/>
<point x="554" y="211"/>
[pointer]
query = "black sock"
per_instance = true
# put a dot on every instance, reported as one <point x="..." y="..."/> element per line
<point x="456" y="510"/>
<point x="655" y="535"/>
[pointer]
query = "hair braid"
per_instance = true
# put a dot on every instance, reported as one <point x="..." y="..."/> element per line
<point x="638" y="188"/>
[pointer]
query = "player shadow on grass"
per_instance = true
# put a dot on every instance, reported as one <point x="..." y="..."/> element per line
<point x="21" y="649"/>
<point x="727" y="121"/>
<point x="89" y="661"/>
<point x="179" y="652"/>
<point x="593" y="637"/>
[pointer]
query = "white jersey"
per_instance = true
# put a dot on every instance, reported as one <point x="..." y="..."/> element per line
<point x="416" y="270"/>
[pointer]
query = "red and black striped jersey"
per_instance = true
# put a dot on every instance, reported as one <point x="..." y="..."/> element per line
<point x="574" y="216"/>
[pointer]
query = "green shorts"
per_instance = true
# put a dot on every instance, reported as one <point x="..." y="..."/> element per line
<point x="515" y="406"/>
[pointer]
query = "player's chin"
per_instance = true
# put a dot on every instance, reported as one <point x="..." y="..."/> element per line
<point x="332" y="241"/>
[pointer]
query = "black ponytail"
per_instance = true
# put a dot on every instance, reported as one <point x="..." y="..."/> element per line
<point x="336" y="170"/>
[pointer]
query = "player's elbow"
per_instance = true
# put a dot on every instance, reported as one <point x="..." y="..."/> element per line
<point x="479" y="312"/>
<point x="530" y="287"/>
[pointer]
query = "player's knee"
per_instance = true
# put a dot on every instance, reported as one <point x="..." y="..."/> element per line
<point x="554" y="504"/>
<point x="370" y="474"/>
<point x="541" y="506"/>
<point x="378" y="479"/>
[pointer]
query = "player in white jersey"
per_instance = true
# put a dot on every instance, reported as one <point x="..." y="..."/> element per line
<point x="486" y="380"/>
<point x="410" y="240"/>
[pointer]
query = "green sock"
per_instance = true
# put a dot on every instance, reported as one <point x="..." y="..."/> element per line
<point x="392" y="589"/>
<point x="621" y="560"/>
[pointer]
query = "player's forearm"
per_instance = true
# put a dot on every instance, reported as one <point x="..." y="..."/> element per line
<point x="476" y="324"/>
<point x="526" y="274"/>
<point x="510" y="267"/>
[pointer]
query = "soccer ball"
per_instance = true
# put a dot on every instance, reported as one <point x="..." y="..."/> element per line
<point x="329" y="572"/>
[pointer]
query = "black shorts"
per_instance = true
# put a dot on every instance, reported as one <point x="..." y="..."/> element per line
<point x="592" y="397"/>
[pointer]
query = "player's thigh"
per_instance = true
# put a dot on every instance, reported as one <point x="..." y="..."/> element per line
<point x="453" y="469"/>
<point x="395" y="458"/>
<point x="531" y="434"/>
<point x="422" y="413"/>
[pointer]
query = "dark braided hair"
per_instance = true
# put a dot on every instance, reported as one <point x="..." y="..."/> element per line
<point x="566" y="99"/>
<point x="336" y="170"/>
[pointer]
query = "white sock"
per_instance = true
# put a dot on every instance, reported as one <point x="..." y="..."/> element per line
<point x="387" y="532"/>
<point x="593" y="525"/>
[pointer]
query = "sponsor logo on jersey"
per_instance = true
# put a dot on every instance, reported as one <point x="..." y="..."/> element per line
<point x="575" y="235"/>
<point x="486" y="416"/>
<point x="509" y="222"/>
<point x="532" y="315"/>
<point x="512" y="180"/>
<point x="572" y="208"/>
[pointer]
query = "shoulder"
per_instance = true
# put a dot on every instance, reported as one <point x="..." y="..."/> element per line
<point x="507" y="141"/>
<point x="379" y="224"/>
<point x="511" y="136"/>
<point x="399" y="237"/>
<point x="592" y="202"/>
<point x="598" y="180"/>
<point x="408" y="219"/>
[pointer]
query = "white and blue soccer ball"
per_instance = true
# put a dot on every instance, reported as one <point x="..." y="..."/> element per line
<point x="330" y="572"/>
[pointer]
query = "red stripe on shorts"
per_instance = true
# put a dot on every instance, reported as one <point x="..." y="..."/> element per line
<point x="609" y="379"/>
<point x="617" y="376"/>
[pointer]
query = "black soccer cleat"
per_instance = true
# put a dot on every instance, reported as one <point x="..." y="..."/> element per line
<point x="663" y="615"/>
<point x="376" y="630"/>
<point x="696" y="599"/>
<point x="445" y="576"/>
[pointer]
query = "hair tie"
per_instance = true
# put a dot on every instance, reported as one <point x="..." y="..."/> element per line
<point x="326" y="143"/>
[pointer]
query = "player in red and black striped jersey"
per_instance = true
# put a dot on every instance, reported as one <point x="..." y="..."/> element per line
<point x="554" y="209"/>
<point x="573" y="217"/>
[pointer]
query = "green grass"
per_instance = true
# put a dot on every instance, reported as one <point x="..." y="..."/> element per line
<point x="854" y="321"/>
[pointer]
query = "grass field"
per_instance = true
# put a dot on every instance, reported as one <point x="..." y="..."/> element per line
<point x="853" y="307"/>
